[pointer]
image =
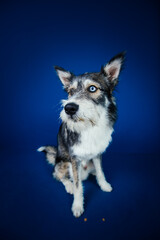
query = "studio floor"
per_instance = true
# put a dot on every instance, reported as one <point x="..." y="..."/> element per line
<point x="35" y="206"/>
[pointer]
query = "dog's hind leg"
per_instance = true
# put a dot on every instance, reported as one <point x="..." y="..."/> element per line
<point x="77" y="206"/>
<point x="86" y="169"/>
<point x="62" y="174"/>
<point x="68" y="185"/>
<point x="104" y="185"/>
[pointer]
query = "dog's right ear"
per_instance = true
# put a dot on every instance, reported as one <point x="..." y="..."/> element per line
<point x="64" y="76"/>
<point x="113" y="68"/>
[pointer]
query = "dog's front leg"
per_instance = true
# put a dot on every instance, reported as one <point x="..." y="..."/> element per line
<point x="104" y="185"/>
<point x="77" y="207"/>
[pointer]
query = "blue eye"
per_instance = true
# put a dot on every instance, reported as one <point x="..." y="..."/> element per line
<point x="92" y="89"/>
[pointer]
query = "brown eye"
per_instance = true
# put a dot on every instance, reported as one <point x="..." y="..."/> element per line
<point x="71" y="92"/>
<point x="92" y="89"/>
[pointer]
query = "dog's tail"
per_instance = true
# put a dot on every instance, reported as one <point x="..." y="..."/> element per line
<point x="50" y="153"/>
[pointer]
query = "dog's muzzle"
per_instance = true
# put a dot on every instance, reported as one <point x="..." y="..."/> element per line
<point x="71" y="108"/>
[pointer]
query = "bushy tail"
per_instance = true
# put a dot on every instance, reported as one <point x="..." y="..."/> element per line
<point x="50" y="153"/>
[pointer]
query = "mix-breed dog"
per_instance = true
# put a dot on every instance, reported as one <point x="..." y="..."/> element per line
<point x="88" y="117"/>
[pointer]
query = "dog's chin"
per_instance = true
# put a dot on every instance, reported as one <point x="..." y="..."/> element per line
<point x="75" y="122"/>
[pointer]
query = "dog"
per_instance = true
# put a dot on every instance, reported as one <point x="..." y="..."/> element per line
<point x="88" y="118"/>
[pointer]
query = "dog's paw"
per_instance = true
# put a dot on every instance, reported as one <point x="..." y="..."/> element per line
<point x="69" y="188"/>
<point x="77" y="209"/>
<point x="106" y="187"/>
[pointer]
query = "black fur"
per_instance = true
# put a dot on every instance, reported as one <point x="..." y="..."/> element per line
<point x="66" y="139"/>
<point x="120" y="55"/>
<point x="112" y="112"/>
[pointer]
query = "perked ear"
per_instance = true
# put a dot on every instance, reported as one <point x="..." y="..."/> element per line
<point x="63" y="75"/>
<point x="113" y="67"/>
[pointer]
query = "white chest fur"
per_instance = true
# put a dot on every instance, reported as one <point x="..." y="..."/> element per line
<point x="93" y="141"/>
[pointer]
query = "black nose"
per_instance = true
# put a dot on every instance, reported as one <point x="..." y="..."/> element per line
<point x="71" y="108"/>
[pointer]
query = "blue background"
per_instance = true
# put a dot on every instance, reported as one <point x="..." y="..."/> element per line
<point x="79" y="36"/>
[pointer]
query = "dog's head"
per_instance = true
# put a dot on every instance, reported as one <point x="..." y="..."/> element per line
<point x="90" y="95"/>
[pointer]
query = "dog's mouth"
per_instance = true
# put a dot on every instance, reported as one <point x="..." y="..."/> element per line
<point x="77" y="119"/>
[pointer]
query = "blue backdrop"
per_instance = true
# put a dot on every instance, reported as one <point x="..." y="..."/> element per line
<point x="79" y="36"/>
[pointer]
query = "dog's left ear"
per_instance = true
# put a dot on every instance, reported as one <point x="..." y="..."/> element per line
<point x="112" y="69"/>
<point x="64" y="76"/>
